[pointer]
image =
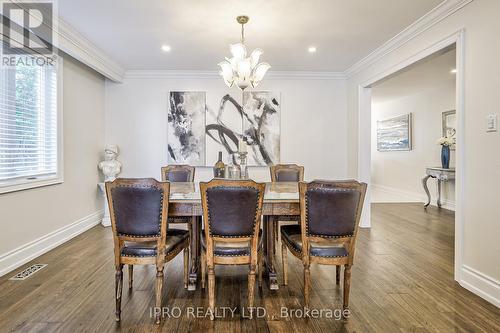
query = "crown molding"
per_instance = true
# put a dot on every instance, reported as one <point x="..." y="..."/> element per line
<point x="169" y="74"/>
<point x="176" y="74"/>
<point x="307" y="75"/>
<point x="70" y="41"/>
<point x="436" y="15"/>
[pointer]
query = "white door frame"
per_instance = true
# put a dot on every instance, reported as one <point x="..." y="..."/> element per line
<point x="364" y="133"/>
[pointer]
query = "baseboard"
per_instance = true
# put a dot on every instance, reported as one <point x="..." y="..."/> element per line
<point x="21" y="255"/>
<point x="482" y="285"/>
<point x="384" y="194"/>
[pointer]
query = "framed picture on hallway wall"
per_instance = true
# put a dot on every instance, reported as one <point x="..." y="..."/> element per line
<point x="394" y="134"/>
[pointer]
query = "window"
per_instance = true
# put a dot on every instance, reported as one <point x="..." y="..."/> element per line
<point x="29" y="127"/>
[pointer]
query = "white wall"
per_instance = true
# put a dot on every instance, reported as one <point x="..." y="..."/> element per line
<point x="35" y="220"/>
<point x="313" y="118"/>
<point x="396" y="175"/>
<point x="480" y="271"/>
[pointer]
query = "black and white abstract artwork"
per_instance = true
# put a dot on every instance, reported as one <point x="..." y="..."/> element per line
<point x="223" y="126"/>
<point x="257" y="122"/>
<point x="186" y="128"/>
<point x="261" y="127"/>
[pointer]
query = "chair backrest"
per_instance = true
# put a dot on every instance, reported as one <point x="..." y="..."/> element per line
<point x="177" y="173"/>
<point x="232" y="209"/>
<point x="287" y="173"/>
<point x="331" y="209"/>
<point x="138" y="208"/>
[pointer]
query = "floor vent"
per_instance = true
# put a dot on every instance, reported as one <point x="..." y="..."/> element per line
<point x="28" y="272"/>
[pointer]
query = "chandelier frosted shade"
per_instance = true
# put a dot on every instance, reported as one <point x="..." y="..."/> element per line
<point x="241" y="70"/>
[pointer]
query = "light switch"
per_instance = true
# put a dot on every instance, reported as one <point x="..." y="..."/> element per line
<point x="491" y="123"/>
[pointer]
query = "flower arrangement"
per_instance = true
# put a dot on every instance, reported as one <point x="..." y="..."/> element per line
<point x="446" y="141"/>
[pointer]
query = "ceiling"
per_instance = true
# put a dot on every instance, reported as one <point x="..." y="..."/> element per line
<point x="432" y="71"/>
<point x="199" y="32"/>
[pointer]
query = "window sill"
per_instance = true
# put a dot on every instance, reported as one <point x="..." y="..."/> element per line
<point x="26" y="184"/>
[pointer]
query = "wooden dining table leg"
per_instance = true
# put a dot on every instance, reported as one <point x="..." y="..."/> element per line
<point x="195" y="252"/>
<point x="269" y="251"/>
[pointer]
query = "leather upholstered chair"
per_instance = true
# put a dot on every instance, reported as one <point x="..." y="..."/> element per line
<point x="330" y="214"/>
<point x="232" y="213"/>
<point x="138" y="210"/>
<point x="285" y="173"/>
<point x="180" y="174"/>
<point x="177" y="173"/>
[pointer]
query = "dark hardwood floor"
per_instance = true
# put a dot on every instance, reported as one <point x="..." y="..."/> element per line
<point x="402" y="281"/>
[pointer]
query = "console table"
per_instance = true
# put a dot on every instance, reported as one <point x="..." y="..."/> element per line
<point x="441" y="175"/>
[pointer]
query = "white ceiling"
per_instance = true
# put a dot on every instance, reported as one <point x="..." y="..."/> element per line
<point x="433" y="71"/>
<point x="199" y="32"/>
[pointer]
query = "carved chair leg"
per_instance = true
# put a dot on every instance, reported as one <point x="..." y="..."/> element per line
<point x="203" y="268"/>
<point x="337" y="274"/>
<point x="260" y="267"/>
<point x="118" y="292"/>
<point x="211" y="291"/>
<point x="284" y="260"/>
<point x="307" y="285"/>
<point x="130" y="276"/>
<point x="159" y="289"/>
<point x="251" y="286"/>
<point x="186" y="266"/>
<point x="347" y="285"/>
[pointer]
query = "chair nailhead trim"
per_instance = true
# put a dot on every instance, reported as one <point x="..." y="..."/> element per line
<point x="137" y="236"/>
<point x="231" y="255"/>
<point x="132" y="256"/>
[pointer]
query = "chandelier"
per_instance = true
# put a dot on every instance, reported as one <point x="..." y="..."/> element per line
<point x="242" y="70"/>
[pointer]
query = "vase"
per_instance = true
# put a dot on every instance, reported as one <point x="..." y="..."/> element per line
<point x="445" y="157"/>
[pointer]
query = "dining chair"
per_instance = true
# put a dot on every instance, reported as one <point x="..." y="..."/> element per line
<point x="285" y="173"/>
<point x="330" y="213"/>
<point x="178" y="173"/>
<point x="138" y="210"/>
<point x="232" y="212"/>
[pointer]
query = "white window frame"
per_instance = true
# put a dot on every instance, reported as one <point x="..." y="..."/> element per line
<point x="25" y="183"/>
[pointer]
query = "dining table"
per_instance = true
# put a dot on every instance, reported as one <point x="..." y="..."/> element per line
<point x="280" y="199"/>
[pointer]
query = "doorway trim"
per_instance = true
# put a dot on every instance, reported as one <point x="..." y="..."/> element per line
<point x="364" y="133"/>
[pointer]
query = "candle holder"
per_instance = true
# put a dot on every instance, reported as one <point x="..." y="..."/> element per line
<point x="242" y="156"/>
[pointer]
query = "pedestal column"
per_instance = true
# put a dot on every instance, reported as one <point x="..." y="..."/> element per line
<point x="106" y="220"/>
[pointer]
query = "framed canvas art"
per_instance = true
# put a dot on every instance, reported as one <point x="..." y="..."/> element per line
<point x="186" y="128"/>
<point x="394" y="134"/>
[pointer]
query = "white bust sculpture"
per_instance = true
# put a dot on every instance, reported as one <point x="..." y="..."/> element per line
<point x="110" y="167"/>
